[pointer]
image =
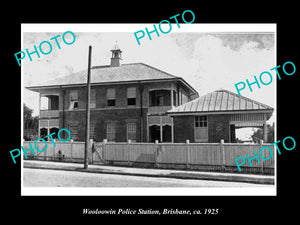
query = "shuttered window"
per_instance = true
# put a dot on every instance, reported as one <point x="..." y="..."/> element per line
<point x="111" y="97"/>
<point x="131" y="96"/>
<point x="73" y="95"/>
<point x="111" y="93"/>
<point x="93" y="98"/>
<point x="73" y="99"/>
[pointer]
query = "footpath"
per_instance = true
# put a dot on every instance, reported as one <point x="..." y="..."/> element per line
<point x="166" y="173"/>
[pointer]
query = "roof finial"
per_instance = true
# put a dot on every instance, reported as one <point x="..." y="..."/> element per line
<point x="116" y="46"/>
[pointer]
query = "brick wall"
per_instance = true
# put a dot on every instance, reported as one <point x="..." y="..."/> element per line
<point x="121" y="94"/>
<point x="183" y="128"/>
<point x="99" y="119"/>
<point x="218" y="125"/>
<point x="218" y="128"/>
<point x="121" y="113"/>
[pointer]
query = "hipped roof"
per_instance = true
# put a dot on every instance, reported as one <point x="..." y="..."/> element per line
<point x="221" y="101"/>
<point x="132" y="72"/>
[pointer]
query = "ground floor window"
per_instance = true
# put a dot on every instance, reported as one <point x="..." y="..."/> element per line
<point x="44" y="133"/>
<point x="92" y="131"/>
<point x="131" y="132"/>
<point x="54" y="130"/>
<point x="111" y="132"/>
<point x="73" y="128"/>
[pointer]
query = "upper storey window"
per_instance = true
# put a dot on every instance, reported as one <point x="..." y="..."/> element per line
<point x="73" y="99"/>
<point x="111" y="97"/>
<point x="131" y="96"/>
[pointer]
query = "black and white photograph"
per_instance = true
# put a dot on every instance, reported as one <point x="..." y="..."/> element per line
<point x="190" y="109"/>
<point x="150" y="112"/>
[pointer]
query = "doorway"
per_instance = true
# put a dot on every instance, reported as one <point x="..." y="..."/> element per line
<point x="154" y="132"/>
<point x="44" y="133"/>
<point x="162" y="136"/>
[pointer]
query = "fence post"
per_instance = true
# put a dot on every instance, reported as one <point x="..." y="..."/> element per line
<point x="91" y="150"/>
<point x="156" y="153"/>
<point x="222" y="155"/>
<point x="71" y="141"/>
<point x="129" y="153"/>
<point x="188" y="156"/>
<point x="53" y="154"/>
<point x="46" y="153"/>
<point x="104" y="151"/>
<point x="262" y="161"/>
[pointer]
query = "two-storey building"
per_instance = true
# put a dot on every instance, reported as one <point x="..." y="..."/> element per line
<point x="128" y="102"/>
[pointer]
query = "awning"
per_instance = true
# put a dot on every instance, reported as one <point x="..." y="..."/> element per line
<point x="240" y="124"/>
<point x="49" y="123"/>
<point x="248" y="120"/>
<point x="159" y="120"/>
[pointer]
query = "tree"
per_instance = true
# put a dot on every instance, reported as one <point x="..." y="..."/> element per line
<point x="27" y="116"/>
<point x="258" y="135"/>
<point x="30" y="124"/>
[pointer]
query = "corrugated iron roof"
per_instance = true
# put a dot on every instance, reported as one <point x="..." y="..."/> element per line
<point x="218" y="101"/>
<point x="104" y="74"/>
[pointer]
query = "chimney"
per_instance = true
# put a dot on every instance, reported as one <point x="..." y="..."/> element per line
<point x="116" y="56"/>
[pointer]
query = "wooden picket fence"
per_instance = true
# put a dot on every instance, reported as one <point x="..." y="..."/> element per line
<point x="193" y="156"/>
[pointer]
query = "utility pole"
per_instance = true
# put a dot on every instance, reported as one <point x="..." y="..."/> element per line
<point x="87" y="128"/>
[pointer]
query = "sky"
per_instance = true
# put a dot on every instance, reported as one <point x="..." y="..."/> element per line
<point x="206" y="60"/>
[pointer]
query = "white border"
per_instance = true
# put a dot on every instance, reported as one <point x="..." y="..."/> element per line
<point x="223" y="28"/>
<point x="66" y="191"/>
<point x="113" y="191"/>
